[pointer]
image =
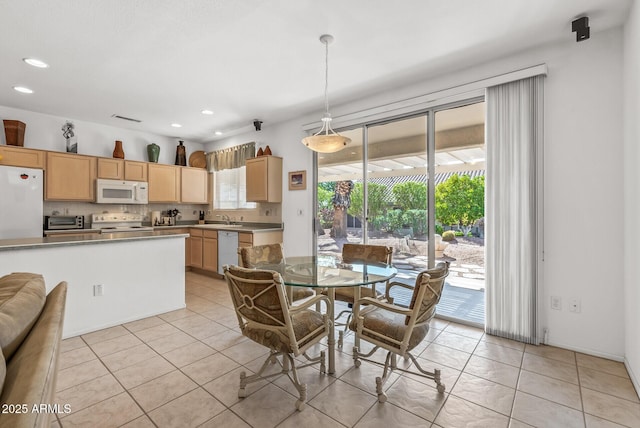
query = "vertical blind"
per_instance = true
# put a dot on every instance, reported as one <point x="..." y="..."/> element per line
<point x="513" y="205"/>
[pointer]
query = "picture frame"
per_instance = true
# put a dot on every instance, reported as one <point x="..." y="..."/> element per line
<point x="297" y="180"/>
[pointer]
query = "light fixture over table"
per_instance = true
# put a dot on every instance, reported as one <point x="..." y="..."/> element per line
<point x="326" y="140"/>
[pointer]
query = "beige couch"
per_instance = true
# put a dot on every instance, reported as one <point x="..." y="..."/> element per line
<point x="30" y="334"/>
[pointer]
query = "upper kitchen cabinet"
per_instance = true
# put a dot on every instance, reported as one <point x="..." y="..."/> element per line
<point x="194" y="185"/>
<point x="111" y="168"/>
<point x="120" y="169"/>
<point x="18" y="156"/>
<point x="264" y="179"/>
<point x="135" y="171"/>
<point x="164" y="183"/>
<point x="70" y="177"/>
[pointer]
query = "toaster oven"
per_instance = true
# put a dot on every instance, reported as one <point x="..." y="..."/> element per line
<point x="63" y="222"/>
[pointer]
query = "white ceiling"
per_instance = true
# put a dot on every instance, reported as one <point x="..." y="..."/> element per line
<point x="163" y="61"/>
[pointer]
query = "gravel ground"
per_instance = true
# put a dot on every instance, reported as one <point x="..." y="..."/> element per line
<point x="468" y="250"/>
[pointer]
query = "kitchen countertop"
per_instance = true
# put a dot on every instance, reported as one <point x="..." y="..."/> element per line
<point x="248" y="227"/>
<point x="95" y="238"/>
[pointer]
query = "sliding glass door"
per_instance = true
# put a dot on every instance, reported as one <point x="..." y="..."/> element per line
<point x="389" y="186"/>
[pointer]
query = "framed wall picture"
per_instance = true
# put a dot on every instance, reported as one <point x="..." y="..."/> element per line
<point x="298" y="180"/>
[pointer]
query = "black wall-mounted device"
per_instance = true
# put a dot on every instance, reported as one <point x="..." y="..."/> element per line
<point x="258" y="124"/>
<point x="581" y="27"/>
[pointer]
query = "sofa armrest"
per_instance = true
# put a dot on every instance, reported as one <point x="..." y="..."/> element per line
<point x="32" y="370"/>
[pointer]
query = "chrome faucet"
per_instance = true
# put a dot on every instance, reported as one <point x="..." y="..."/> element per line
<point x="225" y="218"/>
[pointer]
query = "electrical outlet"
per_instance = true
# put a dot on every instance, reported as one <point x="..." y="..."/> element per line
<point x="98" y="290"/>
<point x="575" y="305"/>
<point x="556" y="303"/>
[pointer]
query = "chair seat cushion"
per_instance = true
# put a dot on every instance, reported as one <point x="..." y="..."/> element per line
<point x="300" y="293"/>
<point x="304" y="323"/>
<point x="22" y="297"/>
<point x="390" y="325"/>
<point x="346" y="294"/>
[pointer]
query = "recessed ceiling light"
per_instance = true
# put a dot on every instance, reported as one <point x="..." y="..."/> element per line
<point x="23" y="90"/>
<point x="209" y="112"/>
<point x="176" y="125"/>
<point x="36" y="62"/>
<point x="218" y="132"/>
<point x="386" y="169"/>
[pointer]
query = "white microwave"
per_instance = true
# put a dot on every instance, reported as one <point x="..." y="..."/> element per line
<point x="121" y="192"/>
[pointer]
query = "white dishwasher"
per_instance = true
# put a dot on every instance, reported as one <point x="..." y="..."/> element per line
<point x="227" y="249"/>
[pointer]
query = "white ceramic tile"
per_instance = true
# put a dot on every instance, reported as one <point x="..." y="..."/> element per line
<point x="540" y="412"/>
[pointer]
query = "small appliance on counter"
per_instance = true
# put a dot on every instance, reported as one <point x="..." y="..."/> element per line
<point x="155" y="218"/>
<point x="166" y="218"/>
<point x="63" y="222"/>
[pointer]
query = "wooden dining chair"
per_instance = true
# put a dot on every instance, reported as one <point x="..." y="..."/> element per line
<point x="266" y="317"/>
<point x="352" y="253"/>
<point x="269" y="256"/>
<point x="399" y="329"/>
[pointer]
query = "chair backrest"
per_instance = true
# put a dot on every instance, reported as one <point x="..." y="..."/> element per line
<point x="427" y="292"/>
<point x="259" y="255"/>
<point x="257" y="295"/>
<point x="366" y="253"/>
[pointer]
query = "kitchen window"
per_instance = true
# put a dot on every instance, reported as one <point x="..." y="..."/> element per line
<point x="230" y="189"/>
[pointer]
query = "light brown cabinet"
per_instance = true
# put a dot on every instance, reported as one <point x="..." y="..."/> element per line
<point x="194" y="242"/>
<point x="112" y="169"/>
<point x="210" y="250"/>
<point x="120" y="169"/>
<point x="19" y="156"/>
<point x="194" y="185"/>
<point x="135" y="171"/>
<point x="70" y="177"/>
<point x="203" y="249"/>
<point x="264" y="179"/>
<point x="164" y="183"/>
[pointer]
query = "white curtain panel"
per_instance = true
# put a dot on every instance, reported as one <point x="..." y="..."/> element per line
<point x="513" y="196"/>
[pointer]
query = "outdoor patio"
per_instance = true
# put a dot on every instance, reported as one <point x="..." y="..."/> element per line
<point x="463" y="295"/>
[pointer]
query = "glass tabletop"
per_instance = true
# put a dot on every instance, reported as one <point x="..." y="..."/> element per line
<point x="328" y="271"/>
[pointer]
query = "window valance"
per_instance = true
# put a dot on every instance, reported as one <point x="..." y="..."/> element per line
<point x="231" y="157"/>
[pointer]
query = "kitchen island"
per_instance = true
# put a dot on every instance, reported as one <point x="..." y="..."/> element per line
<point x="112" y="279"/>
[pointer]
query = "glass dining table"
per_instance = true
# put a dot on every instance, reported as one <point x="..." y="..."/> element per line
<point x="330" y="272"/>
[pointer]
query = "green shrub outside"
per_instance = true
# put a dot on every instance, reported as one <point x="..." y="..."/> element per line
<point x="449" y="235"/>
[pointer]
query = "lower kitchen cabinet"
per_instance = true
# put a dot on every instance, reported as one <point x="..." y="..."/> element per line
<point x="210" y="250"/>
<point x="203" y="249"/>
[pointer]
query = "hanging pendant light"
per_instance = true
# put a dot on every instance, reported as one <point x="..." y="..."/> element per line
<point x="326" y="140"/>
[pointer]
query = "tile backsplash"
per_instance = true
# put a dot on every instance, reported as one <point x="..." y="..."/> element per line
<point x="264" y="213"/>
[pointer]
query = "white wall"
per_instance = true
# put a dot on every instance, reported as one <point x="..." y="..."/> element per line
<point x="583" y="190"/>
<point x="631" y="228"/>
<point x="44" y="132"/>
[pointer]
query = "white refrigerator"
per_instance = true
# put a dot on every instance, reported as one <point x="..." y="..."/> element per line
<point x="20" y="202"/>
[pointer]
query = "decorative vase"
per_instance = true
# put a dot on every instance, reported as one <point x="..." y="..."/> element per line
<point x="260" y="152"/>
<point x="181" y="155"/>
<point x="267" y="151"/>
<point x="153" y="151"/>
<point x="14" y="131"/>
<point x="72" y="145"/>
<point x="117" y="151"/>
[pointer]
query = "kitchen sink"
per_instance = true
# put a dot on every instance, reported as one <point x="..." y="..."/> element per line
<point x="222" y="226"/>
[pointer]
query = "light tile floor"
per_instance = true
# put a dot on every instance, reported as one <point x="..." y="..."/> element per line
<point x="181" y="369"/>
